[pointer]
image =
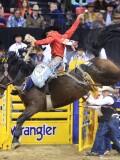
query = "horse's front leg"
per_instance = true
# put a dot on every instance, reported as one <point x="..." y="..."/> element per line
<point x="28" y="112"/>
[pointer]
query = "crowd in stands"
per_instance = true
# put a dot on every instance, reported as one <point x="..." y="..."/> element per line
<point x="27" y="13"/>
<point x="35" y="14"/>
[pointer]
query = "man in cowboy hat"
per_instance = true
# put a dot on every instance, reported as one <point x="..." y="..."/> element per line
<point x="90" y="15"/>
<point x="18" y="44"/>
<point x="108" y="128"/>
<point x="108" y="15"/>
<point x="57" y="42"/>
<point x="35" y="20"/>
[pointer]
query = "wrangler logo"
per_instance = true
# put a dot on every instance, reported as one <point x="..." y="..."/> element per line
<point x="39" y="132"/>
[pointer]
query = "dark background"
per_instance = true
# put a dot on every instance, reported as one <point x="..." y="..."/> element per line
<point x="112" y="47"/>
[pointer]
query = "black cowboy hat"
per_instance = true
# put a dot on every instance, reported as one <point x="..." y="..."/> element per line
<point x="91" y="4"/>
<point x="42" y="48"/>
<point x="110" y="5"/>
<point x="49" y="29"/>
<point x="18" y="35"/>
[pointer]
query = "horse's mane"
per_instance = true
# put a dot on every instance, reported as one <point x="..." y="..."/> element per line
<point x="17" y="64"/>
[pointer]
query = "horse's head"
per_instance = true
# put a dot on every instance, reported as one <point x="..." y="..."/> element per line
<point x="13" y="70"/>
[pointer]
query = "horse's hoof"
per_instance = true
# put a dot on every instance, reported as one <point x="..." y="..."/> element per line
<point x="15" y="145"/>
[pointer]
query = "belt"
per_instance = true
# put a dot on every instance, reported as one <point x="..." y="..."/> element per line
<point x="54" y="55"/>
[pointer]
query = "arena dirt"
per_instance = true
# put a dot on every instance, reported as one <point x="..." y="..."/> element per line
<point x="51" y="152"/>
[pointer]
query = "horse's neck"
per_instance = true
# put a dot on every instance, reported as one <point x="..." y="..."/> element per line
<point x="19" y="71"/>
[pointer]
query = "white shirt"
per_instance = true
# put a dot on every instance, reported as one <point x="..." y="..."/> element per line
<point x="108" y="19"/>
<point x="101" y="101"/>
<point x="15" y="47"/>
<point x="85" y="56"/>
<point x="102" y="54"/>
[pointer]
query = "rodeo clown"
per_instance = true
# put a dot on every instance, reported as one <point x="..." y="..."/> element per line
<point x="108" y="129"/>
<point x="57" y="43"/>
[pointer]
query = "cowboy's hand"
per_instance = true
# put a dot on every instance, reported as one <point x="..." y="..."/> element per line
<point x="29" y="38"/>
<point x="32" y="44"/>
<point x="80" y="16"/>
<point x="26" y="59"/>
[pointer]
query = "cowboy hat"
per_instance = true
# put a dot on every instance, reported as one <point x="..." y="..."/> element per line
<point x="107" y="88"/>
<point x="91" y="4"/>
<point x="18" y="35"/>
<point x="35" y="8"/>
<point x="42" y="48"/>
<point x="110" y="5"/>
<point x="51" y="28"/>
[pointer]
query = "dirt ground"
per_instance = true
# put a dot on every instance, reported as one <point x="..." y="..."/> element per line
<point x="51" y="152"/>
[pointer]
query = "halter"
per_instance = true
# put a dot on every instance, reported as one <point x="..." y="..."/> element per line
<point x="5" y="75"/>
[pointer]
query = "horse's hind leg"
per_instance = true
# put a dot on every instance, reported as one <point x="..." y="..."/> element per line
<point x="28" y="112"/>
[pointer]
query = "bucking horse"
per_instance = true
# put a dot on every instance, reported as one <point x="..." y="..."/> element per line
<point x="63" y="90"/>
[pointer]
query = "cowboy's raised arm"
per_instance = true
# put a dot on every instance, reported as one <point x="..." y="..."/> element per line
<point x="72" y="29"/>
<point x="44" y="41"/>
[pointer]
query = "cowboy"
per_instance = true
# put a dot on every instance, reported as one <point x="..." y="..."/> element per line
<point x="108" y="128"/>
<point x="57" y="42"/>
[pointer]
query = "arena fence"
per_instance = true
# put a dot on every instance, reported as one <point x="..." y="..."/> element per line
<point x="54" y="127"/>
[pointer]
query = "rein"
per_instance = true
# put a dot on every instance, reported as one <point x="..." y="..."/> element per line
<point x="5" y="75"/>
<point x="86" y="77"/>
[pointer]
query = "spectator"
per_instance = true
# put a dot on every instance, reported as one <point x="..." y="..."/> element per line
<point x="25" y="9"/>
<point x="81" y="9"/>
<point x="2" y="19"/>
<point x="35" y="20"/>
<point x="117" y="95"/>
<point x="100" y="5"/>
<point x="116" y="18"/>
<point x="68" y="53"/>
<point x="18" y="44"/>
<point x="16" y="20"/>
<point x="99" y="22"/>
<point x="117" y="9"/>
<point x="90" y="15"/>
<point x="82" y="55"/>
<point x="39" y="56"/>
<point x="57" y="17"/>
<point x="116" y="3"/>
<point x="108" y="15"/>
